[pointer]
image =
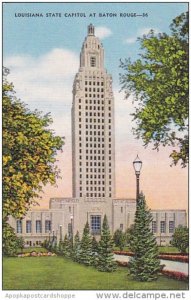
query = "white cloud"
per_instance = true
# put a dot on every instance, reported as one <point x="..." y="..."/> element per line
<point x="140" y="33"/>
<point x="102" y="32"/>
<point x="146" y="30"/>
<point x="48" y="77"/>
<point x="130" y="40"/>
<point x="45" y="83"/>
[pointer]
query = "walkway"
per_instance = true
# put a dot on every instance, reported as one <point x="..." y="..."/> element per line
<point x="169" y="265"/>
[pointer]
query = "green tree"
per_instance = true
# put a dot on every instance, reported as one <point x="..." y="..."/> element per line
<point x="94" y="244"/>
<point x="66" y="247"/>
<point x="95" y="248"/>
<point x="129" y="234"/>
<point x="86" y="246"/>
<point x="159" y="82"/>
<point x="29" y="153"/>
<point x="106" y="261"/>
<point x="11" y="244"/>
<point x="76" y="247"/>
<point x="145" y="265"/>
<point x="60" y="247"/>
<point x="180" y="238"/>
<point x="119" y="238"/>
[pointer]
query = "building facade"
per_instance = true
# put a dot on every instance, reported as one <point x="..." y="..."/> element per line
<point x="93" y="165"/>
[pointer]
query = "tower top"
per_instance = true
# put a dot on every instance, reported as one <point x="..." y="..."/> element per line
<point x="91" y="29"/>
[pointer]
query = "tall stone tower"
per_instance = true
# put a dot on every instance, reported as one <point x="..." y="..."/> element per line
<point x="93" y="125"/>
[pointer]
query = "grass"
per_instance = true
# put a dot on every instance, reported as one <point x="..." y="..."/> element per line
<point x="168" y="249"/>
<point x="31" y="249"/>
<point x="162" y="249"/>
<point x="58" y="273"/>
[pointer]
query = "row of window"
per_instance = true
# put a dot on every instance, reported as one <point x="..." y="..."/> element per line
<point x="95" y="121"/>
<point x="94" y="89"/>
<point x="98" y="134"/>
<point x="38" y="226"/>
<point x="94" y="157"/>
<point x="100" y="145"/>
<point x="95" y="170"/>
<point x="94" y="83"/>
<point x="94" y="164"/>
<point x="91" y="195"/>
<point x="95" y="133"/>
<point x="163" y="226"/>
<point x="94" y="182"/>
<point x="94" y="107"/>
<point x="98" y="102"/>
<point x="90" y="126"/>
<point x="95" y="176"/>
<point x="94" y="146"/>
<point x="94" y="95"/>
<point x="94" y="188"/>
<point x="95" y="139"/>
<point x="96" y="114"/>
<point x="91" y="120"/>
<point x="95" y="226"/>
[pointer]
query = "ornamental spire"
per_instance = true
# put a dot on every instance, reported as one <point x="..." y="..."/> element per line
<point x="91" y="29"/>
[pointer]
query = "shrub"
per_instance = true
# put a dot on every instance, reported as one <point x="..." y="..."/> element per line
<point x="180" y="238"/>
<point x="11" y="243"/>
<point x="176" y="275"/>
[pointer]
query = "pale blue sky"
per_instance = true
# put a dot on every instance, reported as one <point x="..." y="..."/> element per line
<point x="43" y="57"/>
<point x="36" y="36"/>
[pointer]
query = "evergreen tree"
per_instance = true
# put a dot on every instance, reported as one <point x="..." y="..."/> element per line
<point x="94" y="251"/>
<point x="145" y="265"/>
<point x="60" y="248"/>
<point x="66" y="247"/>
<point x="76" y="248"/>
<point x="106" y="261"/>
<point x="86" y="246"/>
<point x="94" y="244"/>
<point x="119" y="238"/>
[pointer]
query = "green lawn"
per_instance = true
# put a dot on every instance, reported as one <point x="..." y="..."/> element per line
<point x="162" y="249"/>
<point x="58" y="273"/>
<point x="31" y="249"/>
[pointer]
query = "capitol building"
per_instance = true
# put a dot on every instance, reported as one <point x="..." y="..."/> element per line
<point x="93" y="166"/>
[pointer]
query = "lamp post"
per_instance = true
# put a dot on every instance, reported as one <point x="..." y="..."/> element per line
<point x="137" y="164"/>
<point x="71" y="219"/>
<point x="61" y="233"/>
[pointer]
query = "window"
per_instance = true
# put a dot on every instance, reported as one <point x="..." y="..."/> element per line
<point x="28" y="226"/>
<point x="171" y="226"/>
<point x="121" y="209"/>
<point x="92" y="61"/>
<point x="121" y="226"/>
<point x="38" y="226"/>
<point x="162" y="227"/>
<point x="19" y="226"/>
<point x="95" y="224"/>
<point x="47" y="226"/>
<point x="154" y="226"/>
